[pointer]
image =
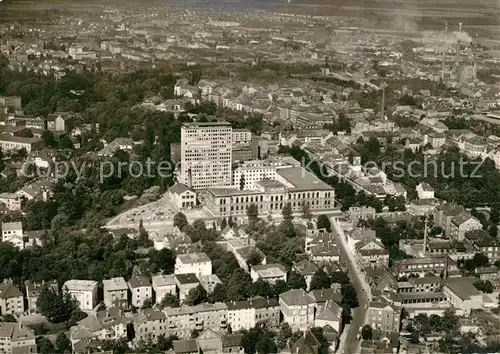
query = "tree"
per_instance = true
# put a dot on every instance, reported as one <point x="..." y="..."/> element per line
<point x="147" y="304"/>
<point x="367" y="332"/>
<point x="286" y="212"/>
<point x="261" y="288"/>
<point x="49" y="139"/>
<point x="223" y="224"/>
<point x="320" y="280"/>
<point x="55" y="306"/>
<point x="45" y="346"/>
<point x="242" y="181"/>
<point x="480" y="260"/>
<point x="485" y="286"/>
<point x="493" y="230"/>
<point x="162" y="261"/>
<point x="296" y="281"/>
<point x="349" y="295"/>
<point x="254" y="258"/>
<point x="180" y="220"/>
<point x="62" y="343"/>
<point x="252" y="213"/>
<point x="169" y="301"/>
<point x="306" y="212"/>
<point x="8" y="318"/>
<point x="230" y="221"/>
<point x="280" y="287"/>
<point x="284" y="334"/>
<point x="324" y="223"/>
<point x="195" y="333"/>
<point x="196" y="296"/>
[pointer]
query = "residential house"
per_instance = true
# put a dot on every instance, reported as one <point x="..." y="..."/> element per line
<point x="270" y="273"/>
<point x="115" y="292"/>
<point x="196" y="263"/>
<point x="322" y="296"/>
<point x="108" y="324"/>
<point x="60" y="122"/>
<point x="11" y="299"/>
<point x="356" y="213"/>
<point x="482" y="243"/>
<point x="182" y="196"/>
<point x="371" y="253"/>
<point x="34" y="289"/>
<point x="186" y="282"/>
<point x="240" y="315"/>
<point x="141" y="290"/>
<point x="384" y="316"/>
<point x="163" y="285"/>
<point x="15" y="338"/>
<point x="208" y="282"/>
<point x="210" y="342"/>
<point x="461" y="224"/>
<point x="183" y="320"/>
<point x="12" y="201"/>
<point x="267" y="312"/>
<point x="298" y="309"/>
<point x="425" y="191"/>
<point x="330" y="314"/>
<point x="443" y="215"/>
<point x="307" y="343"/>
<point x="83" y="291"/>
<point x="307" y="269"/>
<point x="149" y="325"/>
<point x="12" y="232"/>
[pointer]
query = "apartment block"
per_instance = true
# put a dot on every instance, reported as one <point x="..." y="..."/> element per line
<point x="383" y="316"/>
<point x="16" y="338"/>
<point x="270" y="273"/>
<point x="11" y="299"/>
<point x="141" y="290"/>
<point x="298" y="309"/>
<point x="83" y="291"/>
<point x="195" y="263"/>
<point x="115" y="291"/>
<point x="182" y="320"/>
<point x="33" y="290"/>
<point x="163" y="285"/>
<point x="206" y="154"/>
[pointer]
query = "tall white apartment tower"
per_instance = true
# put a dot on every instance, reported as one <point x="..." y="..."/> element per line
<point x="206" y="154"/>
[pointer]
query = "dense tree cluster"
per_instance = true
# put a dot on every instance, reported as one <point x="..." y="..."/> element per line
<point x="59" y="307"/>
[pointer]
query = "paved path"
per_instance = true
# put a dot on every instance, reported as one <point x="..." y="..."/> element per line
<point x="352" y="345"/>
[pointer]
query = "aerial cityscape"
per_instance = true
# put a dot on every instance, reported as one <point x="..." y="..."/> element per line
<point x="249" y="177"/>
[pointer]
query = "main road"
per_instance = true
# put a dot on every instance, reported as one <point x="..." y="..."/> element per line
<point x="351" y="344"/>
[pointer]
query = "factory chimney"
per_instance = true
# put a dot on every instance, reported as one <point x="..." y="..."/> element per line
<point x="425" y="235"/>
<point x="445" y="46"/>
<point x="458" y="45"/>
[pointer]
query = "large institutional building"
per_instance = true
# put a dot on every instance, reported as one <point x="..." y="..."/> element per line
<point x="206" y="154"/>
<point x="294" y="185"/>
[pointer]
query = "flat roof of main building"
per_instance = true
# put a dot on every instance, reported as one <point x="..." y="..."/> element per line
<point x="302" y="179"/>
<point x="206" y="124"/>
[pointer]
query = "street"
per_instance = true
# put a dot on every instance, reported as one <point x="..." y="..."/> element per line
<point x="352" y="345"/>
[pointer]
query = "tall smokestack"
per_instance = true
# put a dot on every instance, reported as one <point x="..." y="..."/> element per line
<point x="443" y="64"/>
<point x="460" y="27"/>
<point x="445" y="46"/>
<point x="383" y="103"/>
<point x="458" y="53"/>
